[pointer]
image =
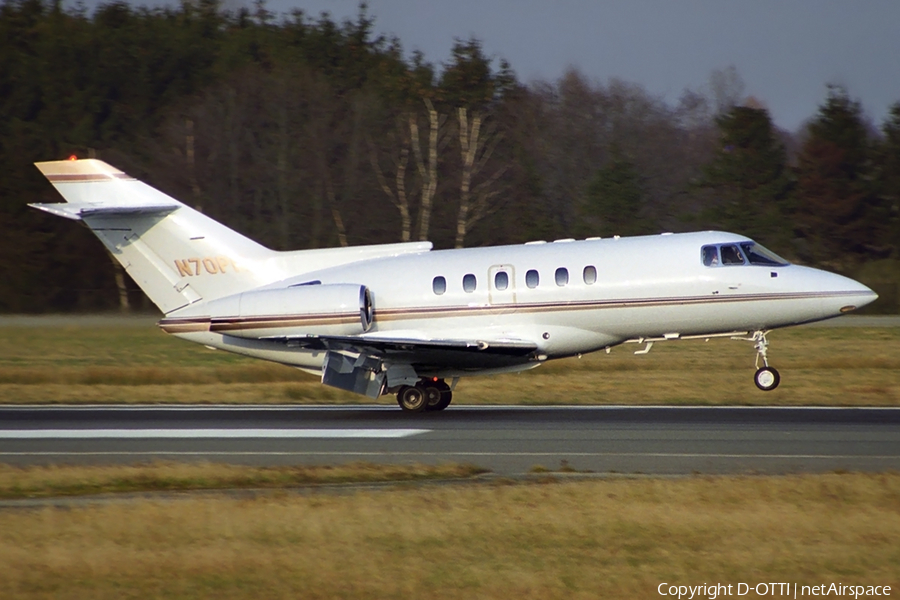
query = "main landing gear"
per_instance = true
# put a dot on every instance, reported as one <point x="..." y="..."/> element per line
<point x="766" y="377"/>
<point x="428" y="395"/>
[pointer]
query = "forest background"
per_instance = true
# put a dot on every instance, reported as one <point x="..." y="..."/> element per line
<point x="302" y="132"/>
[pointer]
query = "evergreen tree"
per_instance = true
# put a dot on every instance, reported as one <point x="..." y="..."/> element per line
<point x="468" y="81"/>
<point x="888" y="163"/>
<point x="748" y="176"/>
<point x="615" y="196"/>
<point x="837" y="205"/>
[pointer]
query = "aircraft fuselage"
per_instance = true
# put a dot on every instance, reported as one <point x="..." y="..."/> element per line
<point x="611" y="290"/>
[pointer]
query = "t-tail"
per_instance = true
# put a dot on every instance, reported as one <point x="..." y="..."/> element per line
<point x="176" y="254"/>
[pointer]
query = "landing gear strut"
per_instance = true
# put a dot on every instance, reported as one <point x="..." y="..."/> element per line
<point x="427" y="395"/>
<point x="766" y="377"/>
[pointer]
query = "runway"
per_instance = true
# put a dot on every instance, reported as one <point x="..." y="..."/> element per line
<point x="507" y="440"/>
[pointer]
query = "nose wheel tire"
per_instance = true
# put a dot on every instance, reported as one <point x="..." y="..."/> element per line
<point x="767" y="379"/>
<point x="412" y="399"/>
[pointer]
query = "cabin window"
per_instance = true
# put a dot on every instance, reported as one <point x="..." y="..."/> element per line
<point x="562" y="276"/>
<point x="590" y="274"/>
<point x="439" y="285"/>
<point x="731" y="255"/>
<point x="469" y="283"/>
<point x="710" y="256"/>
<point x="501" y="280"/>
<point x="532" y="279"/>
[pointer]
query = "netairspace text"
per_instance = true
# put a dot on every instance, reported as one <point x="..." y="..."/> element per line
<point x="789" y="589"/>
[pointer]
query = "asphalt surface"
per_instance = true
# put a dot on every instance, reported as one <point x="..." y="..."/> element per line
<point x="507" y="440"/>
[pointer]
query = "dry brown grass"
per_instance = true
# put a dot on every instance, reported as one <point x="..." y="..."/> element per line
<point x="615" y="538"/>
<point x="819" y="366"/>
<point x="73" y="480"/>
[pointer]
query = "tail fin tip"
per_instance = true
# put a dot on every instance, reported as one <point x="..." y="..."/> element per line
<point x="80" y="171"/>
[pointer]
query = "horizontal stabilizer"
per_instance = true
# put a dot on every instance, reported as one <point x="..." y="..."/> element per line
<point x="93" y="188"/>
<point x="76" y="212"/>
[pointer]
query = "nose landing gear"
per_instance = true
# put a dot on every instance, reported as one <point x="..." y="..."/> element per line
<point x="427" y="395"/>
<point x="766" y="377"/>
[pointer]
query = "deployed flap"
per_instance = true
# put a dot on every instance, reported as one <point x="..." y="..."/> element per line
<point x="362" y="374"/>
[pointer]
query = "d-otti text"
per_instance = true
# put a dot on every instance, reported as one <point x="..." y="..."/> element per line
<point x="713" y="591"/>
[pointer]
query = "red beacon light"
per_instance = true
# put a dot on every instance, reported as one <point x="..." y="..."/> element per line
<point x="73" y="157"/>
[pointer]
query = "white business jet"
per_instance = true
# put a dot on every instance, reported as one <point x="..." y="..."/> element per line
<point x="401" y="318"/>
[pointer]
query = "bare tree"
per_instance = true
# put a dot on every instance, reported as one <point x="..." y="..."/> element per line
<point x="398" y="194"/>
<point x="428" y="175"/>
<point x="572" y="138"/>
<point x="406" y="139"/>
<point x="476" y="149"/>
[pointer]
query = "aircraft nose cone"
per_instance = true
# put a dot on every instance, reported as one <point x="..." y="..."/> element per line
<point x="867" y="296"/>
<point x="832" y="295"/>
<point x="856" y="295"/>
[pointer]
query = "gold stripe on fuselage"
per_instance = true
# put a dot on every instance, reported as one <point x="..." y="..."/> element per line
<point x="224" y="325"/>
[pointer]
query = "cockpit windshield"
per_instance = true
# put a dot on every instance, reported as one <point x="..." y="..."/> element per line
<point x="743" y="253"/>
<point x="758" y="255"/>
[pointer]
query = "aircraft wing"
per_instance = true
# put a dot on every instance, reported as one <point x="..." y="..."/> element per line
<point x="391" y="346"/>
<point x="424" y="355"/>
<point x="381" y="361"/>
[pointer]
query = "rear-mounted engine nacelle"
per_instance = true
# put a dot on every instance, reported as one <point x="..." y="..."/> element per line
<point x="332" y="309"/>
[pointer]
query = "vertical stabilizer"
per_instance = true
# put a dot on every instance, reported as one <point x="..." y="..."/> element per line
<point x="174" y="253"/>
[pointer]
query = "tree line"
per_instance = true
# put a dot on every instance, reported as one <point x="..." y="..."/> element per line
<point x="304" y="132"/>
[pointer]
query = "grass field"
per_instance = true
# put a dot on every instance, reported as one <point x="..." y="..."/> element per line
<point x="593" y="539"/>
<point x="129" y="364"/>
<point x="56" y="481"/>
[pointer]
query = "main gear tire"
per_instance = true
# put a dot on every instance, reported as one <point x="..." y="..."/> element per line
<point x="412" y="399"/>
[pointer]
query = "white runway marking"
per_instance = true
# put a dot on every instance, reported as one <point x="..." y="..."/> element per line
<point x="389" y="454"/>
<point x="193" y="434"/>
